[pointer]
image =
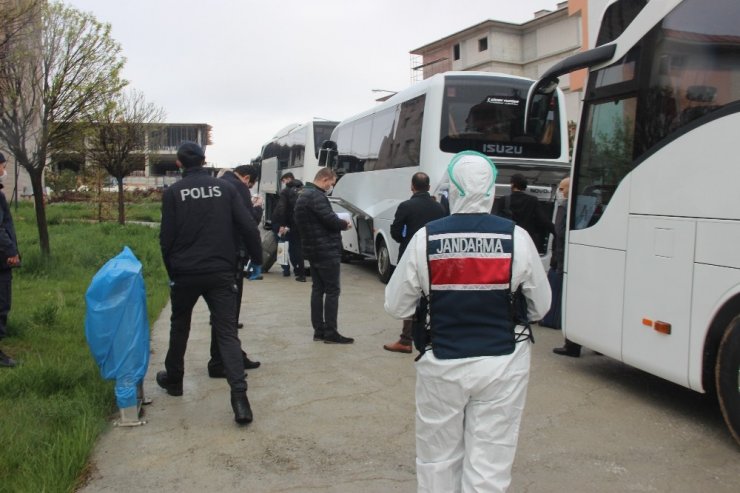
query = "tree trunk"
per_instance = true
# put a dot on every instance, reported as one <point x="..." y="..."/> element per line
<point x="38" y="200"/>
<point x="121" y="208"/>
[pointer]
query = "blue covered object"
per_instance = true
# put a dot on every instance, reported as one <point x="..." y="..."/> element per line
<point x="116" y="324"/>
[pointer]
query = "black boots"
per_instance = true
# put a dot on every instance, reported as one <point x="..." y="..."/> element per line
<point x="240" y="405"/>
<point x="570" y="348"/>
<point x="216" y="369"/>
<point x="336" y="338"/>
<point x="172" y="388"/>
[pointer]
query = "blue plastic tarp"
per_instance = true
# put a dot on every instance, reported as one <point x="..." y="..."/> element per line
<point x="116" y="324"/>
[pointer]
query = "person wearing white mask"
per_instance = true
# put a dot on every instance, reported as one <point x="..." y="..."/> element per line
<point x="9" y="258"/>
<point x="483" y="281"/>
<point x="321" y="235"/>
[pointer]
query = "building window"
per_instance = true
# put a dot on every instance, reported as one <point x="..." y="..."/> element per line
<point x="456" y="51"/>
<point x="483" y="44"/>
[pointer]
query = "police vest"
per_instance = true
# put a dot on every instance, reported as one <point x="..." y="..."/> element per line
<point x="470" y="260"/>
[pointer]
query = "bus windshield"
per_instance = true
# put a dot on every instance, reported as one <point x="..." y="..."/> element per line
<point x="321" y="132"/>
<point x="486" y="115"/>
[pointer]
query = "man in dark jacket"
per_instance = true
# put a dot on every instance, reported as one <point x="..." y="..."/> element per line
<point x="240" y="178"/>
<point x="524" y="210"/>
<point x="411" y="216"/>
<point x="284" y="215"/>
<point x="320" y="230"/>
<point x="9" y="258"/>
<point x="555" y="275"/>
<point x="201" y="216"/>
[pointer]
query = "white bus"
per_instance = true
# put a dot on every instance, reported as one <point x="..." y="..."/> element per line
<point x="376" y="152"/>
<point x="653" y="258"/>
<point x="294" y="149"/>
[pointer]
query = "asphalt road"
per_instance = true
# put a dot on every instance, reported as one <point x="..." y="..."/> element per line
<point x="334" y="418"/>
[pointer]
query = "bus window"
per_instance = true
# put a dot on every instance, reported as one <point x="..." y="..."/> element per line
<point x="381" y="139"/>
<point x="479" y="114"/>
<point x="321" y="132"/>
<point x="696" y="58"/>
<point x="407" y="138"/>
<point x="606" y="157"/>
<point x="387" y="139"/>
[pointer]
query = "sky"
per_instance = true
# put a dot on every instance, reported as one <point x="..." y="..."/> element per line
<point x="249" y="68"/>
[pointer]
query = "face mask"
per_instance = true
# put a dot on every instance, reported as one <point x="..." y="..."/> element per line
<point x="559" y="196"/>
<point x="2" y="177"/>
<point x="330" y="190"/>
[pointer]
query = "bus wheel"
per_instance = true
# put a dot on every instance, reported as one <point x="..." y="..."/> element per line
<point x="727" y="374"/>
<point x="384" y="262"/>
<point x="269" y="251"/>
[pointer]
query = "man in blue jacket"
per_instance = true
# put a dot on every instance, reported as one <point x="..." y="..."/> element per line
<point x="320" y="230"/>
<point x="9" y="258"/>
<point x="201" y="216"/>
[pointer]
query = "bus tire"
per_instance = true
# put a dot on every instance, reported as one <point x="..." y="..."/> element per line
<point x="384" y="262"/>
<point x="269" y="251"/>
<point x="727" y="375"/>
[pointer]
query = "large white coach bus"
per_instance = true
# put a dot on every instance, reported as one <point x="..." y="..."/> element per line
<point x="375" y="153"/>
<point x="653" y="251"/>
<point x="294" y="148"/>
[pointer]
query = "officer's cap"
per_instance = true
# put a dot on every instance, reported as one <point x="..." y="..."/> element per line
<point x="190" y="154"/>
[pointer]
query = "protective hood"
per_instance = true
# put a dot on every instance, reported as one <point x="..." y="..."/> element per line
<point x="472" y="183"/>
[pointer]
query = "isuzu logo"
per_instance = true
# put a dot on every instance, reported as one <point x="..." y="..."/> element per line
<point x="503" y="149"/>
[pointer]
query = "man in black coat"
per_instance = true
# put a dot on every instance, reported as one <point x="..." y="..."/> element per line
<point x="287" y="228"/>
<point x="240" y="177"/>
<point x="412" y="215"/>
<point x="320" y="230"/>
<point x="524" y="210"/>
<point x="201" y="216"/>
<point x="9" y="258"/>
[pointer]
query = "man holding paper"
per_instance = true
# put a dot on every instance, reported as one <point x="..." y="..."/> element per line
<point x="320" y="230"/>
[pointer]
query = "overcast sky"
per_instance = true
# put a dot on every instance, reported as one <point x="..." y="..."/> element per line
<point x="249" y="68"/>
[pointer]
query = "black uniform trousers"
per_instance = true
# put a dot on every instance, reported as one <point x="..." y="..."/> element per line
<point x="325" y="295"/>
<point x="295" y="251"/>
<point x="219" y="291"/>
<point x="216" y="362"/>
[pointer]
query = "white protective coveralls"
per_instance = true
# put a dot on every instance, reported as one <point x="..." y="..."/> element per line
<point x="468" y="410"/>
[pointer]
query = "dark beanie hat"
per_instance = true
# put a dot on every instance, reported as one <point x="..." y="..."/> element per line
<point x="2" y="157"/>
<point x="190" y="154"/>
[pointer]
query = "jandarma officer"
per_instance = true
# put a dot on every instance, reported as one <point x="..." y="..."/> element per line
<point x="471" y="386"/>
<point x="201" y="218"/>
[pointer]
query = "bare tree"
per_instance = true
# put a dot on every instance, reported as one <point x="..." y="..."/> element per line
<point x="15" y="17"/>
<point x="66" y="68"/>
<point x="119" y="138"/>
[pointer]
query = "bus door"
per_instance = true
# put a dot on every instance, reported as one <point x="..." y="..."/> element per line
<point x="359" y="239"/>
<point x="269" y="186"/>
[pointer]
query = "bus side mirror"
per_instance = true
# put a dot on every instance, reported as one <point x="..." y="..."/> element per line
<point x="327" y="153"/>
<point x="547" y="85"/>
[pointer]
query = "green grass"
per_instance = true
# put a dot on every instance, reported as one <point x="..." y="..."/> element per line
<point x="61" y="212"/>
<point x="55" y="404"/>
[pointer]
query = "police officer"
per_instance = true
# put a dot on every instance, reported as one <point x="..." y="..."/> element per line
<point x="471" y="386"/>
<point x="200" y="218"/>
<point x="241" y="178"/>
